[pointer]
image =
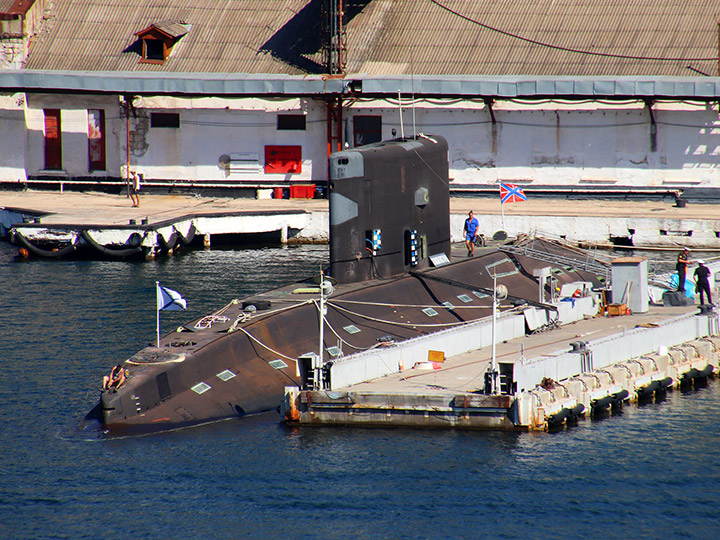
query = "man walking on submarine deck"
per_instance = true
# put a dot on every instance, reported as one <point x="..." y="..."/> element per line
<point x="470" y="231"/>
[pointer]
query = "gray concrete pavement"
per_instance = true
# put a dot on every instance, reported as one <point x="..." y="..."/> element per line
<point x="465" y="372"/>
<point x="103" y="208"/>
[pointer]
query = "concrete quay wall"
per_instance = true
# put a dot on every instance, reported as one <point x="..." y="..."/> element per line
<point x="643" y="223"/>
<point x="157" y="237"/>
<point x="627" y="344"/>
<point x="631" y="379"/>
<point x="640" y="231"/>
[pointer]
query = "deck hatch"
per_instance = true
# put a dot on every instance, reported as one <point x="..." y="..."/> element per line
<point x="448" y="305"/>
<point x="351" y="329"/>
<point x="430" y="312"/>
<point x="163" y="386"/>
<point x="464" y="298"/>
<point x="201" y="388"/>
<point x="226" y="375"/>
<point x="492" y="268"/>
<point x="480" y="294"/>
<point x="334" y="351"/>
<point x="277" y="364"/>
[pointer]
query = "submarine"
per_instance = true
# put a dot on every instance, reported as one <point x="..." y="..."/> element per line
<point x="389" y="279"/>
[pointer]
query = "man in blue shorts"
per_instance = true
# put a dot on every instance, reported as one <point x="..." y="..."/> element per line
<point x="470" y="231"/>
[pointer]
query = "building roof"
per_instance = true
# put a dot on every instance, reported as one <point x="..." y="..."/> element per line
<point x="87" y="35"/>
<point x="543" y="37"/>
<point x="5" y="5"/>
<point x="276" y="85"/>
<point x="393" y="37"/>
<point x="170" y="29"/>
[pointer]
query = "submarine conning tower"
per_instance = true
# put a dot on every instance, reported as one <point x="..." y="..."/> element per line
<point x="389" y="208"/>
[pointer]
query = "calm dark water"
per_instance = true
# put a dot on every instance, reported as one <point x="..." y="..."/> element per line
<point x="651" y="472"/>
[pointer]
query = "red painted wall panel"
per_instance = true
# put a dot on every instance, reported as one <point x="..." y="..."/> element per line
<point x="283" y="159"/>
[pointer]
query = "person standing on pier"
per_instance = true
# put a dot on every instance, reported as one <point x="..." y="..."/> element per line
<point x="681" y="267"/>
<point x="701" y="281"/>
<point x="470" y="231"/>
<point x="135" y="189"/>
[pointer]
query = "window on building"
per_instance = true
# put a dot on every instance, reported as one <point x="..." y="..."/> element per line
<point x="53" y="140"/>
<point x="158" y="40"/>
<point x="164" y="120"/>
<point x="291" y="122"/>
<point x="366" y="130"/>
<point x="96" y="140"/>
<point x="153" y="49"/>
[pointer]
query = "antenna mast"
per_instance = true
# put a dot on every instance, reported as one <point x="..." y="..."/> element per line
<point x="334" y="39"/>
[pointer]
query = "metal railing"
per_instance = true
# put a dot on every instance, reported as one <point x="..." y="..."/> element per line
<point x="590" y="262"/>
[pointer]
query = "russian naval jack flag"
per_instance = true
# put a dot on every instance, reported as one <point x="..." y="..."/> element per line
<point x="168" y="300"/>
<point x="511" y="193"/>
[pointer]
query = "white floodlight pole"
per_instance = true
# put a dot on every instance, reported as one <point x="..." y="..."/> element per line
<point x="318" y="368"/>
<point x="402" y="127"/>
<point x="157" y="312"/>
<point x="493" y="365"/>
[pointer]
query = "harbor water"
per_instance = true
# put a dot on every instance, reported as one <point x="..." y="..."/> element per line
<point x="649" y="472"/>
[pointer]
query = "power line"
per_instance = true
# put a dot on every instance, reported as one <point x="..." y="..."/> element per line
<point x="568" y="49"/>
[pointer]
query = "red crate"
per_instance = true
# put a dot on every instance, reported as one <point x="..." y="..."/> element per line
<point x="302" y="191"/>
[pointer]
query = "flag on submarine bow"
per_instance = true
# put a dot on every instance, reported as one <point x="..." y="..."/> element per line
<point x="169" y="300"/>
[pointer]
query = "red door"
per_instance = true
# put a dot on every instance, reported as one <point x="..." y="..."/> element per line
<point x="53" y="140"/>
<point x="96" y="139"/>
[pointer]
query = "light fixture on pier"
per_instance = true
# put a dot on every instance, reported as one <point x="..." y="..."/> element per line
<point x="326" y="286"/>
<point x="500" y="292"/>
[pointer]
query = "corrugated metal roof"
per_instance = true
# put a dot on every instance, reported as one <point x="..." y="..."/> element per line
<point x="394" y="37"/>
<point x="5" y="5"/>
<point x="172" y="28"/>
<point x="87" y="35"/>
<point x="544" y="37"/>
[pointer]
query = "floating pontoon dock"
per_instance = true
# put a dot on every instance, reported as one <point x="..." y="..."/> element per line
<point x="587" y="367"/>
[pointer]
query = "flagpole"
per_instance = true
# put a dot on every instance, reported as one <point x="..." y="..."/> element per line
<point x="157" y="311"/>
<point x="502" y="209"/>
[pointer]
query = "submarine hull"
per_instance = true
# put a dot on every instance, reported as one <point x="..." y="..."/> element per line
<point x="389" y="216"/>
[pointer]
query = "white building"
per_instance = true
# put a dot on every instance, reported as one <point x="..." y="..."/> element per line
<point x="201" y="95"/>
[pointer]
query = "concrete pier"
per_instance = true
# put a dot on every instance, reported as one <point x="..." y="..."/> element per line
<point x="56" y="224"/>
<point x="56" y="220"/>
<point x="585" y="368"/>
